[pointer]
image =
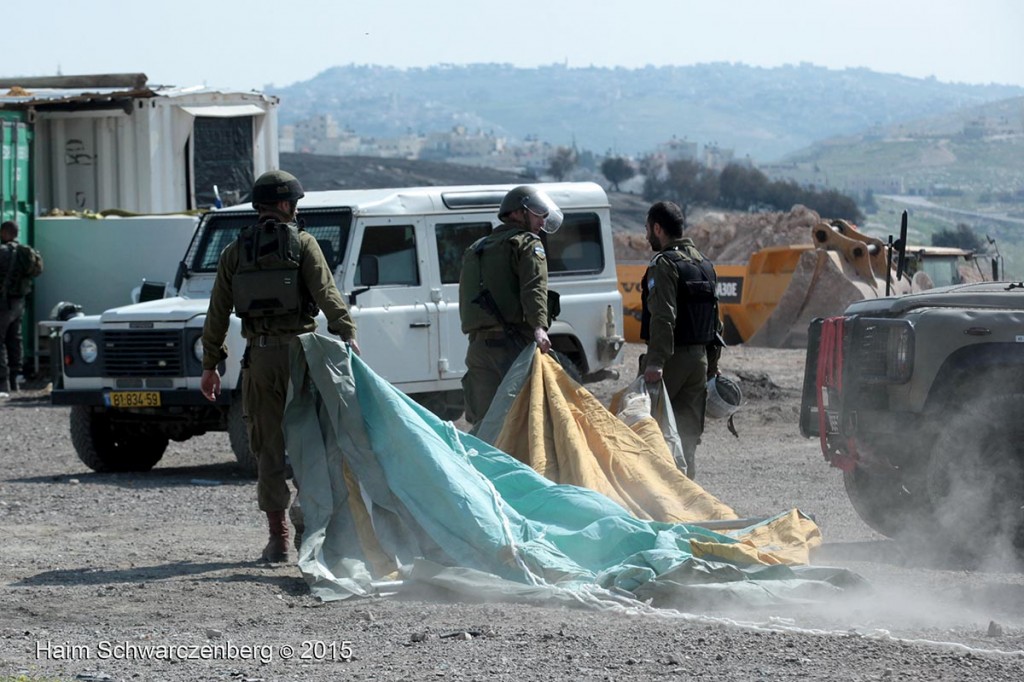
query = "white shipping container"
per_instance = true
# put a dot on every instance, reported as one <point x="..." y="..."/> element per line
<point x="143" y="158"/>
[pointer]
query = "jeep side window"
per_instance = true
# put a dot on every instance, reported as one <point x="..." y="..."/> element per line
<point x="576" y="247"/>
<point x="388" y="256"/>
<point x="452" y="241"/>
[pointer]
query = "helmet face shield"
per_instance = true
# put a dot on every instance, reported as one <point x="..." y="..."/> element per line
<point x="541" y="205"/>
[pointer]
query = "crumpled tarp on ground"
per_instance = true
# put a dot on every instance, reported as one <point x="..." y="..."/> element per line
<point x="384" y="482"/>
<point x="546" y="420"/>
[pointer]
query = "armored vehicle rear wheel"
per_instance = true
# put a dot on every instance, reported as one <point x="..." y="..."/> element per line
<point x="238" y="436"/>
<point x="882" y="501"/>
<point x="976" y="473"/>
<point x="105" y="446"/>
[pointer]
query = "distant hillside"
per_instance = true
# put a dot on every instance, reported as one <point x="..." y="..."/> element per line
<point x="763" y="113"/>
<point x="974" y="149"/>
<point x="968" y="161"/>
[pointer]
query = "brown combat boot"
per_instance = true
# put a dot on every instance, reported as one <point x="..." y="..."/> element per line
<point x="276" y="550"/>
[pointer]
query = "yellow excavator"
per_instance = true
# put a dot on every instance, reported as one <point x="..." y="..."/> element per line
<point x="771" y="299"/>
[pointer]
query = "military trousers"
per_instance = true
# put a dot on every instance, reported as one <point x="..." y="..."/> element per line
<point x="488" y="359"/>
<point x="264" y="391"/>
<point x="686" y="381"/>
<point x="11" y="311"/>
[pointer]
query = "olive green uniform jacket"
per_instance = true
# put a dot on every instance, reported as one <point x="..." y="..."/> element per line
<point x="512" y="265"/>
<point x="514" y="269"/>
<point x="685" y="368"/>
<point x="265" y="374"/>
<point x="319" y="282"/>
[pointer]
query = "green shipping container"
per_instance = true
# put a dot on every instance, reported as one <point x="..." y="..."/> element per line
<point x="16" y="192"/>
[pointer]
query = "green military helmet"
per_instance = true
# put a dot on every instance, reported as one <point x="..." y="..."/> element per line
<point x="516" y="198"/>
<point x="274" y="186"/>
<point x="535" y="201"/>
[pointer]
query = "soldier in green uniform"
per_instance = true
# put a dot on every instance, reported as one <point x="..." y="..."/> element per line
<point x="680" y="323"/>
<point x="19" y="265"/>
<point x="503" y="294"/>
<point x="275" y="278"/>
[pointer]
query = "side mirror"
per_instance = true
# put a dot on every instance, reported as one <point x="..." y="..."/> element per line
<point x="180" y="275"/>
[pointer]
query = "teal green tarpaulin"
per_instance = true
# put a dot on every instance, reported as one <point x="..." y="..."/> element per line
<point x="444" y="497"/>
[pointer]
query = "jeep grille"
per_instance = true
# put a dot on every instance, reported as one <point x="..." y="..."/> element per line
<point x="142" y="354"/>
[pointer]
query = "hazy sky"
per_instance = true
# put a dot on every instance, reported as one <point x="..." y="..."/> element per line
<point x="248" y="45"/>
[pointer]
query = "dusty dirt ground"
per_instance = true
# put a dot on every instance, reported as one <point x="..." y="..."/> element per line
<point x="94" y="568"/>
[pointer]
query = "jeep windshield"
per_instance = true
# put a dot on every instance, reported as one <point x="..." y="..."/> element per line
<point x="330" y="228"/>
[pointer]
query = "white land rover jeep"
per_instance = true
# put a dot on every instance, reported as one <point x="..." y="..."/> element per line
<point x="131" y="375"/>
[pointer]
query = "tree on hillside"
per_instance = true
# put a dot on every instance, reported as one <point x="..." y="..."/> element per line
<point x="616" y="170"/>
<point x="740" y="187"/>
<point x="687" y="183"/>
<point x="833" y="204"/>
<point x="561" y="163"/>
<point x="783" y="194"/>
<point x="962" y="237"/>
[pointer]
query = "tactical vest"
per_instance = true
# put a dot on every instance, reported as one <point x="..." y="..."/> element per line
<point x="267" y="282"/>
<point x="696" y="298"/>
<point x="18" y="265"/>
<point x="492" y="277"/>
<point x="8" y="261"/>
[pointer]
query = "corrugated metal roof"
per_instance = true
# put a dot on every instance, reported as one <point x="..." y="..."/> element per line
<point x="23" y="98"/>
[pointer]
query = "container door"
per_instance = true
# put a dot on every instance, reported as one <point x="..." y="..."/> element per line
<point x="16" y="175"/>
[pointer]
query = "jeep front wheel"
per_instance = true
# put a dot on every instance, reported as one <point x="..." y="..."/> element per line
<point x="976" y="473"/>
<point x="883" y="502"/>
<point x="106" y="447"/>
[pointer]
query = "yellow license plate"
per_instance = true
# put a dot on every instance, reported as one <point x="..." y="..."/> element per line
<point x="135" y="399"/>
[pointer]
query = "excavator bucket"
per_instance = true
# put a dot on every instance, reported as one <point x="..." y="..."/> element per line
<point x="771" y="298"/>
<point x="845" y="266"/>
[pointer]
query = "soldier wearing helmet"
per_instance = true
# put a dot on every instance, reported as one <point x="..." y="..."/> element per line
<point x="19" y="264"/>
<point x="275" y="278"/>
<point x="680" y="323"/>
<point x="503" y="294"/>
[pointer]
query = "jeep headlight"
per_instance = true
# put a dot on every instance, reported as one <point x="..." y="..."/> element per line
<point x="900" y="363"/>
<point x="197" y="348"/>
<point x="88" y="350"/>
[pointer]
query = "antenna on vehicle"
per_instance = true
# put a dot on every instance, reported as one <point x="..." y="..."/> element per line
<point x="900" y="245"/>
<point x="996" y="260"/>
<point x="888" y="269"/>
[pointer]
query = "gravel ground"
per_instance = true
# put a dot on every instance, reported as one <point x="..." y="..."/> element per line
<point x="95" y="568"/>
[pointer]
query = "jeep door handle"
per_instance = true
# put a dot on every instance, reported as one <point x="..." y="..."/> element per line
<point x="419" y="325"/>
